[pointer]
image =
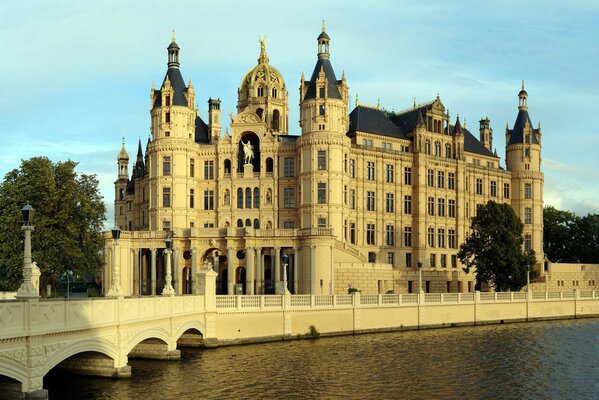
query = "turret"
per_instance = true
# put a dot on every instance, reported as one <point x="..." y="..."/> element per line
<point x="123" y="161"/>
<point x="486" y="133"/>
<point x="214" y="118"/>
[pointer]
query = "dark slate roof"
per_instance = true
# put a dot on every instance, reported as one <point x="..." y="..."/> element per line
<point x="179" y="88"/>
<point x="372" y="120"/>
<point x="201" y="135"/>
<point x="517" y="133"/>
<point x="407" y="120"/>
<point x="471" y="143"/>
<point x="288" y="139"/>
<point x="332" y="90"/>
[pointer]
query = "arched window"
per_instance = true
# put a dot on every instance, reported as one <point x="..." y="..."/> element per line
<point x="427" y="147"/>
<point x="269" y="164"/>
<point x="438" y="149"/>
<point x="227" y="166"/>
<point x="447" y="150"/>
<point x="274" y="92"/>
<point x="240" y="198"/>
<point x="248" y="222"/>
<point x="256" y="198"/>
<point x="275" y="120"/>
<point x="259" y="112"/>
<point x="122" y="194"/>
<point x="248" y="198"/>
<point x="260" y="91"/>
<point x="239" y="223"/>
<point x="256" y="223"/>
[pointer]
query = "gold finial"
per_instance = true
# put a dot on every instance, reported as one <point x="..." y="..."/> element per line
<point x="324" y="29"/>
<point x="173" y="36"/>
<point x="378" y="103"/>
<point x="123" y="136"/>
<point x="522" y="84"/>
<point x="263" y="57"/>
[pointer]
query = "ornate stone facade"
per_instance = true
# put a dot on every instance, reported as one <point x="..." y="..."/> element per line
<point x="357" y="199"/>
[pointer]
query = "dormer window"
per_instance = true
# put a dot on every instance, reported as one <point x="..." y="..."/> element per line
<point x="321" y="92"/>
<point x="167" y="100"/>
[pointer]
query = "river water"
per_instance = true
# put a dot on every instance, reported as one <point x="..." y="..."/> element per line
<point x="541" y="360"/>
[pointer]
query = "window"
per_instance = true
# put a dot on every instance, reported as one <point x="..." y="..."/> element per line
<point x="345" y="163"/>
<point x="240" y="198"/>
<point x="427" y="147"/>
<point x="274" y="92"/>
<point x="433" y="265"/>
<point x="322" y="222"/>
<point x="479" y="186"/>
<point x="441" y="238"/>
<point x="370" y="170"/>
<point x="390" y="235"/>
<point x="256" y="198"/>
<point x="260" y="91"/>
<point x="451" y="180"/>
<point x="288" y="197"/>
<point x="167" y="117"/>
<point x="371" y="257"/>
<point x="407" y="204"/>
<point x="166" y="197"/>
<point x="451" y="208"/>
<point x="389" y="202"/>
<point x="167" y="100"/>
<point x="288" y="224"/>
<point x="407" y="236"/>
<point x="369" y="201"/>
<point x="409" y="264"/>
<point x="438" y="149"/>
<point x="367" y="143"/>
<point x="166" y="225"/>
<point x="431" y="206"/>
<point x="527" y="215"/>
<point x="227" y="167"/>
<point x="454" y="261"/>
<point x="345" y="230"/>
<point x="321" y="92"/>
<point x="441" y="207"/>
<point x="322" y="193"/>
<point x="352" y="198"/>
<point x="167" y="133"/>
<point x="506" y="190"/>
<point x="209" y="200"/>
<point x="389" y="174"/>
<point x="441" y="179"/>
<point x="345" y="195"/>
<point x="239" y="223"/>
<point x="391" y="258"/>
<point x="527" y="191"/>
<point x="407" y="175"/>
<point x="451" y="239"/>
<point x="322" y="109"/>
<point x="192" y="168"/>
<point x="352" y="232"/>
<point x="166" y="166"/>
<point x="256" y="223"/>
<point x="322" y="160"/>
<point x="352" y="168"/>
<point x="370" y="234"/>
<point x="289" y="167"/>
<point x="448" y="151"/>
<point x="191" y="198"/>
<point x="248" y="198"/>
<point x="431" y="237"/>
<point x="209" y="169"/>
<point x="444" y="265"/>
<point x="386" y="146"/>
<point x="527" y="242"/>
<point x="493" y="189"/>
<point x="269" y="165"/>
<point x="431" y="178"/>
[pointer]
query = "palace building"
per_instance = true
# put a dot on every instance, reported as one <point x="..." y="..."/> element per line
<point x="358" y="198"/>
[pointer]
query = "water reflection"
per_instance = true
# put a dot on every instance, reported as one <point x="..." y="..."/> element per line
<point x="517" y="361"/>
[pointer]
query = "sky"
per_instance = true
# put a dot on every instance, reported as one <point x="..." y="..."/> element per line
<point x="75" y="74"/>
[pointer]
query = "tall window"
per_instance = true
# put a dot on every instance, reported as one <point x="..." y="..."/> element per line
<point x="352" y="232"/>
<point x="407" y="175"/>
<point x="433" y="265"/>
<point x="441" y="238"/>
<point x="345" y="195"/>
<point x="407" y="236"/>
<point x="451" y="239"/>
<point x="527" y="191"/>
<point x="441" y="207"/>
<point x="506" y="190"/>
<point x="448" y="151"/>
<point x="527" y="215"/>
<point x="166" y="197"/>
<point x="352" y="168"/>
<point x="275" y="116"/>
<point x="370" y="234"/>
<point x="431" y="206"/>
<point x="370" y="170"/>
<point x="191" y="198"/>
<point x="256" y="198"/>
<point x="352" y="198"/>
<point x="288" y="197"/>
<point x="493" y="189"/>
<point x="409" y="263"/>
<point x="427" y="147"/>
<point x="166" y="166"/>
<point x="322" y="109"/>
<point x="369" y="201"/>
<point x="389" y="235"/>
<point x="391" y="258"/>
<point x="451" y="180"/>
<point x="240" y="198"/>
<point x="192" y="168"/>
<point x="431" y="237"/>
<point x="407" y="204"/>
<point x="438" y="149"/>
<point x="444" y="265"/>
<point x="289" y="167"/>
<point x="479" y="186"/>
<point x="389" y="174"/>
<point x="322" y="160"/>
<point x="208" y="199"/>
<point x="322" y="193"/>
<point x="430" y="175"/>
<point x="441" y="179"/>
<point x="322" y="222"/>
<point x="390" y="202"/>
<point x="527" y="242"/>
<point x="248" y="198"/>
<point x="167" y="117"/>
<point x="209" y="169"/>
<point x="451" y="208"/>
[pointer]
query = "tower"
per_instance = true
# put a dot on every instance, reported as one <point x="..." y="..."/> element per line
<point x="214" y="119"/>
<point x="523" y="160"/>
<point x="486" y="133"/>
<point x="120" y="186"/>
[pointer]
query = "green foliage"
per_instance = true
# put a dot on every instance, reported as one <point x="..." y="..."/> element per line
<point x="312" y="332"/>
<point x="67" y="226"/>
<point x="569" y="238"/>
<point x="495" y="248"/>
<point x="352" y="290"/>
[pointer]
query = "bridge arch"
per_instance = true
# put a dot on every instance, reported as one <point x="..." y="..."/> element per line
<point x="13" y="370"/>
<point x="150" y="333"/>
<point x="70" y="349"/>
<point x="190" y="325"/>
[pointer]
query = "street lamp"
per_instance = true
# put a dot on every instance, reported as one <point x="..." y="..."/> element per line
<point x="168" y="287"/>
<point x="285" y="260"/>
<point x="115" y="287"/>
<point x="27" y="290"/>
<point x="419" y="276"/>
<point x="528" y="278"/>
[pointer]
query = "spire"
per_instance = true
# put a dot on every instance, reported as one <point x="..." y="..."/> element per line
<point x="414" y="106"/>
<point x="420" y="119"/>
<point x="140" y="154"/>
<point x="458" y="126"/>
<point x="323" y="43"/>
<point x="324" y="29"/>
<point x="522" y="98"/>
<point x="357" y="99"/>
<point x="378" y="103"/>
<point x="173" y="53"/>
<point x="263" y="59"/>
<point x="123" y="155"/>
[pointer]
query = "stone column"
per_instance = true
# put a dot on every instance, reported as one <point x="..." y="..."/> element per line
<point x="168" y="287"/>
<point x="262" y="271"/>
<point x="332" y="279"/>
<point x="295" y="270"/>
<point x="153" y="272"/>
<point x="177" y="276"/>
<point x="136" y="272"/>
<point x="230" y="271"/>
<point x="277" y="269"/>
<point x="259" y="274"/>
<point x="250" y="275"/>
<point x="194" y="269"/>
<point x="314" y="284"/>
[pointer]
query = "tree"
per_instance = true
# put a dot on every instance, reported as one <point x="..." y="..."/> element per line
<point x="68" y="222"/>
<point x="494" y="248"/>
<point x="584" y="236"/>
<point x="558" y="232"/>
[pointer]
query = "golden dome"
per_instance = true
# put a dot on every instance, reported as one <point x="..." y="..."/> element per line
<point x="263" y="73"/>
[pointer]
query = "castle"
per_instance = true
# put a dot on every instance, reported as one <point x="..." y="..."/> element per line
<point x="358" y="199"/>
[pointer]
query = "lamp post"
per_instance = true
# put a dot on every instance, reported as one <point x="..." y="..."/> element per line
<point x="285" y="260"/>
<point x="419" y="276"/>
<point x="168" y="287"/>
<point x="27" y="290"/>
<point x="528" y="278"/>
<point x="115" y="287"/>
